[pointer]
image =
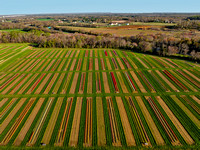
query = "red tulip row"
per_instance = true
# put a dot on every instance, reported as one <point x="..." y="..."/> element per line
<point x="18" y="121"/>
<point x="146" y="81"/>
<point x="130" y="81"/>
<point x="64" y="123"/>
<point x="88" y="124"/>
<point x="38" y="81"/>
<point x="114" y="82"/>
<point x="7" y="82"/>
<point x="113" y="123"/>
<point x="105" y="52"/>
<point x="86" y="53"/>
<point x="102" y="64"/>
<point x="163" y="121"/>
<point x="114" y="62"/>
<point x="79" y="64"/>
<point x="190" y="79"/>
<point x="90" y="64"/>
<point x="138" y="122"/>
<point x="115" y="53"/>
<point x="98" y="83"/>
<point x="127" y="63"/>
<point x="55" y="66"/>
<point x="82" y="83"/>
<point x="175" y="80"/>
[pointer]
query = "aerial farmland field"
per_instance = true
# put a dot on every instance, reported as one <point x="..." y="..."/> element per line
<point x="93" y="98"/>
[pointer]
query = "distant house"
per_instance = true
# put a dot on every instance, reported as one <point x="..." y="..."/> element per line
<point x="113" y="24"/>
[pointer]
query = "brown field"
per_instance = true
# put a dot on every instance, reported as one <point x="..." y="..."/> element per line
<point x="74" y="82"/>
<point x="105" y="82"/>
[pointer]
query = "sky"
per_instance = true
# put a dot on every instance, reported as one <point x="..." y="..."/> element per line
<point x="8" y="7"/>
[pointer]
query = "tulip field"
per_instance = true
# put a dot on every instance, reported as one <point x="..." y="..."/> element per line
<point x="94" y="98"/>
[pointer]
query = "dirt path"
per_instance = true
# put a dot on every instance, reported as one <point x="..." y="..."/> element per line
<point x="73" y="141"/>
<point x="108" y="64"/>
<point x="101" y="134"/>
<point x="142" y="89"/>
<point x="175" y="121"/>
<point x="28" y="123"/>
<point x="96" y="64"/>
<point x="187" y="111"/>
<point x="130" y="140"/>
<point x="152" y="126"/>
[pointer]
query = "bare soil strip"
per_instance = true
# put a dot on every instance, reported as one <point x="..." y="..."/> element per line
<point x="66" y="83"/>
<point x="192" y="75"/>
<point x="82" y="83"/>
<point x="154" y="130"/>
<point x="175" y="121"/>
<point x="108" y="64"/>
<point x="91" y="53"/>
<point x="134" y="65"/>
<point x="96" y="64"/>
<point x="88" y="123"/>
<point x="27" y="84"/>
<point x="113" y="123"/>
<point x="142" y="89"/>
<point x="183" y="81"/>
<point x="12" y="84"/>
<point x="121" y="81"/>
<point x="167" y="81"/>
<point x="20" y="84"/>
<point x="72" y="65"/>
<point x="2" y="102"/>
<point x="79" y="64"/>
<point x="58" y="83"/>
<point x="187" y="111"/>
<point x="91" y="64"/>
<point x="102" y="64"/>
<point x="120" y="63"/>
<point x="98" y="82"/>
<point x="33" y="65"/>
<point x="110" y="54"/>
<point x="11" y="114"/>
<point x="43" y="84"/>
<point x="63" y="126"/>
<point x="142" y="63"/>
<point x="58" y="54"/>
<point x="77" y="53"/>
<point x="67" y="65"/>
<point x="105" y="82"/>
<point x="74" y="82"/>
<point x="130" y="140"/>
<point x="73" y="141"/>
<point x="49" y="65"/>
<point x="56" y="65"/>
<point x="49" y="129"/>
<point x="17" y="122"/>
<point x="10" y="79"/>
<point x="48" y="88"/>
<point x="69" y="51"/>
<point x="28" y="123"/>
<point x="40" y="123"/>
<point x="195" y="98"/>
<point x="167" y="63"/>
<point x="45" y="64"/>
<point x="61" y="65"/>
<point x="89" y="86"/>
<point x="72" y="53"/>
<point x="27" y="65"/>
<point x="101" y="134"/>
<point x="42" y="62"/>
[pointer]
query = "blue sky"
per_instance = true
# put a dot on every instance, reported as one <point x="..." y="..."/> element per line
<point x="82" y="6"/>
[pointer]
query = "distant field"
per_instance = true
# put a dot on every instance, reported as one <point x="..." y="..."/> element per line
<point x="44" y="19"/>
<point x="96" y="98"/>
<point x="9" y="30"/>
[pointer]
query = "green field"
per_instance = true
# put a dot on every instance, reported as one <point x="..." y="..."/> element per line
<point x="96" y="98"/>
